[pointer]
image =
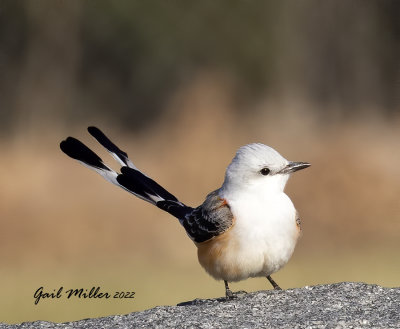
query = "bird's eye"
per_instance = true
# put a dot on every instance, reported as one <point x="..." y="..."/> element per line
<point x="265" y="171"/>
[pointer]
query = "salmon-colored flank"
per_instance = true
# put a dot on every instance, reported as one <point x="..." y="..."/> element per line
<point x="224" y="203"/>
<point x="214" y="255"/>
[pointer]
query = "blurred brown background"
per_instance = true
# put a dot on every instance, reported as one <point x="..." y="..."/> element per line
<point x="180" y="86"/>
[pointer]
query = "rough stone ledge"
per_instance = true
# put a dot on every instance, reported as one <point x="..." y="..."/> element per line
<point x="339" y="305"/>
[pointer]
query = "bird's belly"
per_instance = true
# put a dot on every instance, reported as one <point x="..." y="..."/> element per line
<point x="252" y="247"/>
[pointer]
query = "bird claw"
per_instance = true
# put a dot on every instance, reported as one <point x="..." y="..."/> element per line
<point x="233" y="295"/>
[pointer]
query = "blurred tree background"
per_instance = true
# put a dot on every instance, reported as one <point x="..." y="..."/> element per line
<point x="123" y="60"/>
<point x="180" y="85"/>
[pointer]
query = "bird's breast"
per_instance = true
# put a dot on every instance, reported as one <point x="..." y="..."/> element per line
<point x="259" y="243"/>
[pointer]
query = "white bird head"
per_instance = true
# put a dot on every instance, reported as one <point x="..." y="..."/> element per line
<point x="258" y="164"/>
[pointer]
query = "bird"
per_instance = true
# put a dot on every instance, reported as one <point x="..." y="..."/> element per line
<point x="246" y="228"/>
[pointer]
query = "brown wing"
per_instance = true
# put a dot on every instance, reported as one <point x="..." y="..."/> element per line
<point x="210" y="219"/>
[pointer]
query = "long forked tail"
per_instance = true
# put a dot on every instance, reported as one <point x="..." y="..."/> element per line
<point x="130" y="178"/>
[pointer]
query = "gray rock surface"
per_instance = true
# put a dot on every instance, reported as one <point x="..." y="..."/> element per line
<point x="340" y="305"/>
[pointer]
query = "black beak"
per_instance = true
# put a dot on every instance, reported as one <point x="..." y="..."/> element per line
<point x="294" y="166"/>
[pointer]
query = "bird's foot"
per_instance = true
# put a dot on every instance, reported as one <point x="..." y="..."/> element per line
<point x="231" y="295"/>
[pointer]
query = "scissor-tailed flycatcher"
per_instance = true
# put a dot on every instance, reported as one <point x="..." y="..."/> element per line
<point x="247" y="228"/>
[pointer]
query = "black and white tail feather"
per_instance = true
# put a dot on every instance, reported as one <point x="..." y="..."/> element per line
<point x="205" y="222"/>
<point x="130" y="178"/>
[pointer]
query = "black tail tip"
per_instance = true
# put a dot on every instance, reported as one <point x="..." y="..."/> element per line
<point x="65" y="144"/>
<point x="94" y="130"/>
<point x="79" y="151"/>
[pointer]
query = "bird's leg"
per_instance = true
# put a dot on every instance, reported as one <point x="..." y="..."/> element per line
<point x="274" y="284"/>
<point x="228" y="292"/>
